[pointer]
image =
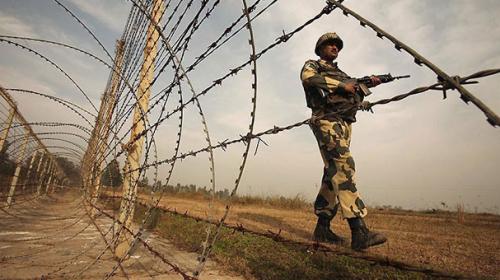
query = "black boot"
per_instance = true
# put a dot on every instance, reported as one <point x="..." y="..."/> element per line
<point x="323" y="233"/>
<point x="363" y="238"/>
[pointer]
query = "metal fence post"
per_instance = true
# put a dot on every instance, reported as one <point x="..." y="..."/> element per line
<point x="51" y="177"/>
<point x="30" y="168"/>
<point x="19" y="164"/>
<point x="39" y="171"/>
<point x="45" y="170"/>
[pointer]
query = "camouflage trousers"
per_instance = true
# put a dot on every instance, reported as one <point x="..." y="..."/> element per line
<point x="338" y="185"/>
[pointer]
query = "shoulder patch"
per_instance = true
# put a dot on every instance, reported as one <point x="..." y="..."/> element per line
<point x="312" y="64"/>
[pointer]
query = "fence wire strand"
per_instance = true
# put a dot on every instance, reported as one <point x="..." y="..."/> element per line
<point x="96" y="138"/>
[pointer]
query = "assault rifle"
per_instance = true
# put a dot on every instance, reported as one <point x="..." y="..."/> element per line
<point x="366" y="82"/>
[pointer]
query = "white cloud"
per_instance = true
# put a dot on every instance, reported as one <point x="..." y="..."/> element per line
<point x="110" y="14"/>
<point x="11" y="25"/>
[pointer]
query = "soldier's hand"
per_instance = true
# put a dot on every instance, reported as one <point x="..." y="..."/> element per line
<point x="366" y="106"/>
<point x="351" y="87"/>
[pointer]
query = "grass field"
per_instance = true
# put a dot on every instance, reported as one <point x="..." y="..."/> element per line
<point x="456" y="243"/>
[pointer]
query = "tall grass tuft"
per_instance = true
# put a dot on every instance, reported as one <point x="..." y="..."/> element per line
<point x="296" y="202"/>
<point x="194" y="192"/>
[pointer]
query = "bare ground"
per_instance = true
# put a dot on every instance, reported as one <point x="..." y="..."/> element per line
<point x="53" y="238"/>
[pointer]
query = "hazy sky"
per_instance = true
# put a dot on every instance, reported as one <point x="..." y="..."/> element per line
<point x="415" y="153"/>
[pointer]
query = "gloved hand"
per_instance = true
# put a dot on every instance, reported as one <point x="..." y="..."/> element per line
<point x="366" y="106"/>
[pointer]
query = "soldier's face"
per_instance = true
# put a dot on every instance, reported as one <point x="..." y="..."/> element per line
<point x="330" y="51"/>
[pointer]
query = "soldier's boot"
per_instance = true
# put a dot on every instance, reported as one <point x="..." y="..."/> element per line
<point x="362" y="237"/>
<point x="323" y="233"/>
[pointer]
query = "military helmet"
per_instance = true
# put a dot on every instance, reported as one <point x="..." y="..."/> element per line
<point x="328" y="37"/>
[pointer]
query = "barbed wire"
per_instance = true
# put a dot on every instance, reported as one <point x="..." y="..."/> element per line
<point x="277" y="129"/>
<point x="176" y="32"/>
<point x="86" y="28"/>
<point x="442" y="86"/>
<point x="43" y="57"/>
<point x="451" y="83"/>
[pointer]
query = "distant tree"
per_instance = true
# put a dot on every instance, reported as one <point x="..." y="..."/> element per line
<point x="222" y="193"/>
<point x="204" y="190"/>
<point x="111" y="175"/>
<point x="71" y="170"/>
<point x="7" y="166"/>
<point x="157" y="185"/>
<point x="144" y="183"/>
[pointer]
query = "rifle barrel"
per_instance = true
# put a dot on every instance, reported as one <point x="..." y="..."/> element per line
<point x="402" y="77"/>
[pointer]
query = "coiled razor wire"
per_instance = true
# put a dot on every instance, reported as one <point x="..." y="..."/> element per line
<point x="174" y="44"/>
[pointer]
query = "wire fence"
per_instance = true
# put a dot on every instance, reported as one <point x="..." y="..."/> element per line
<point x="151" y="83"/>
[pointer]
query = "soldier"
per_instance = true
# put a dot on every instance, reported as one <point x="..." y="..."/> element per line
<point x="334" y="102"/>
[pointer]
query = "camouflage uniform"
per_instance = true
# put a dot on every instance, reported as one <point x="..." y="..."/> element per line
<point x="333" y="111"/>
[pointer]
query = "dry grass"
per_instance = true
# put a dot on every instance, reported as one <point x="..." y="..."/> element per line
<point x="258" y="257"/>
<point x="297" y="202"/>
<point x="438" y="240"/>
<point x="277" y="201"/>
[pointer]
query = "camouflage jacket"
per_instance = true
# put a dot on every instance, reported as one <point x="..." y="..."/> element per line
<point x="324" y="87"/>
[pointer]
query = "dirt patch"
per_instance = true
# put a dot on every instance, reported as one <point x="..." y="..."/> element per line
<point x="53" y="237"/>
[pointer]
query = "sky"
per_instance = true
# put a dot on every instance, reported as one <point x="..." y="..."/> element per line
<point x="416" y="153"/>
